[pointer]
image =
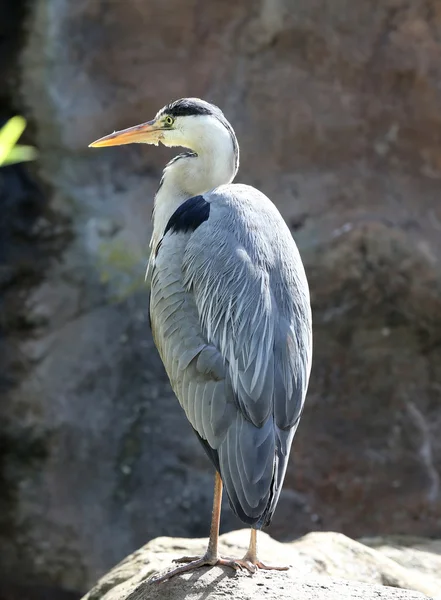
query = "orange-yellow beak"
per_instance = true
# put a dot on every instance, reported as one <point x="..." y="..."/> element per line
<point x="147" y="133"/>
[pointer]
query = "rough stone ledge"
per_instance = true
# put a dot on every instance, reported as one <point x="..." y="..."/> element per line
<point x="323" y="566"/>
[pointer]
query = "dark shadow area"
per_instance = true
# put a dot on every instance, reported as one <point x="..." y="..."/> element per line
<point x="30" y="236"/>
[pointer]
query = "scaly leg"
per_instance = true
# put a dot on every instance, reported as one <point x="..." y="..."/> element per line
<point x="211" y="557"/>
<point x="250" y="560"/>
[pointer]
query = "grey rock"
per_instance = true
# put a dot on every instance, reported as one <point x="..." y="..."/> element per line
<point x="420" y="557"/>
<point x="217" y="584"/>
<point x="322" y="565"/>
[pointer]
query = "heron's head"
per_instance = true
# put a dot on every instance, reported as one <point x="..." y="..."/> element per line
<point x="189" y="122"/>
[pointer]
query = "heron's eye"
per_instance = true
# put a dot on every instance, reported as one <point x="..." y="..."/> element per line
<point x="168" y="121"/>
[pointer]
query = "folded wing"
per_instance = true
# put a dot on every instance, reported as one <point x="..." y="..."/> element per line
<point x="234" y="333"/>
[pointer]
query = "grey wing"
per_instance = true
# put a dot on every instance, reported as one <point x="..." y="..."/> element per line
<point x="237" y="356"/>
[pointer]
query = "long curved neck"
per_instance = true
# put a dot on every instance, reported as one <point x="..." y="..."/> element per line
<point x="214" y="162"/>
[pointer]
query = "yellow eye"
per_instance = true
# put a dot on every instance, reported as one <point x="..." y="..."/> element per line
<point x="168" y="121"/>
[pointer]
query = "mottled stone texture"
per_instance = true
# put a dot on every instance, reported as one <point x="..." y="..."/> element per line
<point x="337" y="109"/>
<point x="322" y="566"/>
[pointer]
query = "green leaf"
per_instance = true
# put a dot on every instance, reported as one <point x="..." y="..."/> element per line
<point x="20" y="154"/>
<point x="10" y="152"/>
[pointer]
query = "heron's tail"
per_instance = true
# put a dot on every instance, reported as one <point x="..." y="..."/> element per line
<point x="252" y="463"/>
<point x="283" y="447"/>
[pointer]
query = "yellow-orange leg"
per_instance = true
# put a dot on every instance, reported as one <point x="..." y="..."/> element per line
<point x="211" y="557"/>
<point x="250" y="560"/>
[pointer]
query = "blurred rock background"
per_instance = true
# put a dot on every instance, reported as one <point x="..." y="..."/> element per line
<point x="337" y="109"/>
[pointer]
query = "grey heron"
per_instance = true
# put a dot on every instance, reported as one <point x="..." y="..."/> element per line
<point x="230" y="314"/>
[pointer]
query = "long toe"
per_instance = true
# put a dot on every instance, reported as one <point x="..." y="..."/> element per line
<point x="186" y="559"/>
<point x="191" y="566"/>
<point x="243" y="563"/>
<point x="253" y="564"/>
<point x="260" y="565"/>
<point x="195" y="562"/>
<point x="232" y="563"/>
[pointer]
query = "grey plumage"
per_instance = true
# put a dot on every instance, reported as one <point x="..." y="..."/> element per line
<point x="231" y="319"/>
<point x="229" y="310"/>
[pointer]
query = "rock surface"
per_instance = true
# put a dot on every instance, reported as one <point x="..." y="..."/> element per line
<point x="322" y="566"/>
<point x="419" y="556"/>
<point x="216" y="585"/>
<point x="336" y="106"/>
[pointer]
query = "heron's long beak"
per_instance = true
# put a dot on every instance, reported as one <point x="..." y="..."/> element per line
<point x="146" y="133"/>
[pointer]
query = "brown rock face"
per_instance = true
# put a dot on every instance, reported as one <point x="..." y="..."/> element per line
<point x="336" y="107"/>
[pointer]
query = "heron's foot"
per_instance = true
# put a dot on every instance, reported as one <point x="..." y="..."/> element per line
<point x="195" y="562"/>
<point x="253" y="564"/>
<point x="247" y="562"/>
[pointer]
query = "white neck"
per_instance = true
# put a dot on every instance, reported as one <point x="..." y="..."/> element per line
<point x="213" y="163"/>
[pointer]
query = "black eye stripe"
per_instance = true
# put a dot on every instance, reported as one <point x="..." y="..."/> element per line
<point x="188" y="108"/>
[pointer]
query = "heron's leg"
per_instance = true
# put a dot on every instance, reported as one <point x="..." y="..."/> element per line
<point x="213" y="540"/>
<point x="250" y="560"/>
<point x="211" y="556"/>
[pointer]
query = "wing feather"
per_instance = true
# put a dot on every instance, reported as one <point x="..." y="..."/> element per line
<point x="231" y="319"/>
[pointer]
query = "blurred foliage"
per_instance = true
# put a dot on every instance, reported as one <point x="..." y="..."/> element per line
<point x="121" y="268"/>
<point x="10" y="151"/>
